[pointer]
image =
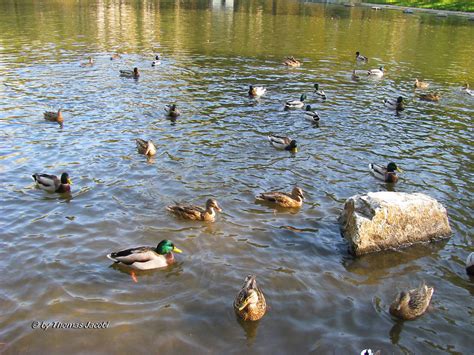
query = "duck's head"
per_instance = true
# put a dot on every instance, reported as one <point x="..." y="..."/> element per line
<point x="303" y="97"/>
<point x="400" y="100"/>
<point x="135" y="71"/>
<point x="392" y="167"/>
<point x="65" y="179"/>
<point x="292" y="147"/>
<point x="166" y="246"/>
<point x="357" y="54"/>
<point x="250" y="293"/>
<point x="157" y="57"/>
<point x="403" y="299"/>
<point x="308" y="107"/>
<point x="381" y="68"/>
<point x="316" y="86"/>
<point x="91" y="60"/>
<point x="212" y="203"/>
<point x="297" y="192"/>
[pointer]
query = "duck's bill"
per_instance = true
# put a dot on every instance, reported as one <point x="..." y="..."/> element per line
<point x="69" y="181"/>
<point x="399" y="170"/>
<point x="176" y="250"/>
<point x="219" y="209"/>
<point x="243" y="304"/>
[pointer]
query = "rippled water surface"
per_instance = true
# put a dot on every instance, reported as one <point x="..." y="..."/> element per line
<point x="321" y="300"/>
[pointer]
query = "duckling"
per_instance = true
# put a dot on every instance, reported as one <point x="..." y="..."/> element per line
<point x="387" y="174"/>
<point x="196" y="213"/>
<point x="89" y="63"/>
<point x="291" y="62"/>
<point x="413" y="303"/>
<point x="172" y="111"/>
<point x="396" y="105"/>
<point x="283" y="199"/>
<point x="466" y="89"/>
<point x="292" y="104"/>
<point x="51" y="183"/>
<point x="376" y="72"/>
<point x="310" y="115"/>
<point x="319" y="93"/>
<point x="361" y="58"/>
<point x="250" y="304"/>
<point x="421" y="84"/>
<point x="115" y="56"/>
<point x="256" y="91"/>
<point x="434" y="97"/>
<point x="146" y="258"/>
<point x="283" y="143"/>
<point x="145" y="147"/>
<point x="53" y="116"/>
<point x="130" y="73"/>
<point x="470" y="264"/>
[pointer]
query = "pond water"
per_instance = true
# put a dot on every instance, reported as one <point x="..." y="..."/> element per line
<point x="321" y="300"/>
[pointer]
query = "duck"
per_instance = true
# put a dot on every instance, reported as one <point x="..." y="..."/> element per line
<point x="250" y="304"/>
<point x="466" y="89"/>
<point x="51" y="183"/>
<point x="283" y="143"/>
<point x="146" y="257"/>
<point x="310" y="115"/>
<point x="376" y="72"/>
<point x="115" y="56"/>
<point x="292" y="104"/>
<point x="291" y="62"/>
<point x="256" y="91"/>
<point x="172" y="111"/>
<point x="396" y="105"/>
<point x="54" y="116"/>
<point x="413" y="303"/>
<point x="361" y="58"/>
<point x="370" y="352"/>
<point x="196" y="213"/>
<point x="387" y="174"/>
<point x="421" y="84"/>
<point x="470" y="264"/>
<point x="130" y="73"/>
<point x="283" y="199"/>
<point x="157" y="61"/>
<point x="145" y="147"/>
<point x="89" y="63"/>
<point x="319" y="93"/>
<point x="434" y="97"/>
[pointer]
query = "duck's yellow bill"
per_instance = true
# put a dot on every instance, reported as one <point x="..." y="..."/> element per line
<point x="177" y="250"/>
<point x="399" y="170"/>
<point x="69" y="181"/>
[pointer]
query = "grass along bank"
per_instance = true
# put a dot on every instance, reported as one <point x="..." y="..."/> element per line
<point x="450" y="5"/>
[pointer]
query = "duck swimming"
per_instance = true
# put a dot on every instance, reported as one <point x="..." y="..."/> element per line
<point x="396" y="105"/>
<point x="250" y="304"/>
<point x="434" y="97"/>
<point x="146" y="258"/>
<point x="51" y="183"/>
<point x="421" y="84"/>
<point x="310" y="115"/>
<point x="283" y="143"/>
<point x="256" y="91"/>
<point x="292" y="104"/>
<point x="319" y="93"/>
<point x="387" y="174"/>
<point x="130" y="73"/>
<point x="466" y="89"/>
<point x="411" y="304"/>
<point x="361" y="58"/>
<point x="291" y="62"/>
<point x="145" y="147"/>
<point x="470" y="264"/>
<point x="54" y="116"/>
<point x="376" y="72"/>
<point x="89" y="63"/>
<point x="283" y="199"/>
<point x="196" y="213"/>
<point x="172" y="111"/>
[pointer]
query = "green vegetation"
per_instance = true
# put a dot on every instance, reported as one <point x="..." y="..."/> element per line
<point x="453" y="5"/>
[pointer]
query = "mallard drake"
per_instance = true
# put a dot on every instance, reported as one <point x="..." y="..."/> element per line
<point x="376" y="72"/>
<point x="282" y="142"/>
<point x="283" y="199"/>
<point x="319" y="93"/>
<point x="54" y="116"/>
<point x="466" y="89"/>
<point x="470" y="264"/>
<point x="387" y="174"/>
<point x="172" y="111"/>
<point x="256" y="91"/>
<point x="115" y="56"/>
<point x="413" y="303"/>
<point x="146" y="258"/>
<point x="196" y="213"/>
<point x="430" y="97"/>
<point x="395" y="104"/>
<point x="421" y="84"/>
<point x="145" y="147"/>
<point x="51" y="183"/>
<point x="157" y="61"/>
<point x="361" y="58"/>
<point x="291" y="62"/>
<point x="130" y="73"/>
<point x="292" y="104"/>
<point x="310" y="115"/>
<point x="250" y="304"/>
<point x="89" y="63"/>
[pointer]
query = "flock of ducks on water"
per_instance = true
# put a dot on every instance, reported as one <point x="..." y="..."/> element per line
<point x="250" y="303"/>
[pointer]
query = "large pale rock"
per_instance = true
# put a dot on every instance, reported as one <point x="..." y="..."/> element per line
<point x="389" y="220"/>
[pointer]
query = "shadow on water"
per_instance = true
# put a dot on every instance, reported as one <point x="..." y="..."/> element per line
<point x="250" y="329"/>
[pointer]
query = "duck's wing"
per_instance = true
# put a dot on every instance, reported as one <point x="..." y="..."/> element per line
<point x="274" y="196"/>
<point x="47" y="181"/>
<point x="187" y="211"/>
<point x="276" y="139"/>
<point x="132" y="255"/>
<point x="142" y="145"/>
<point x="378" y="170"/>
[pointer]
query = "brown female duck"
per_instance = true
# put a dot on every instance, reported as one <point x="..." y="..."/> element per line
<point x="250" y="302"/>
<point x="196" y="213"/>
<point x="412" y="304"/>
<point x="283" y="199"/>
